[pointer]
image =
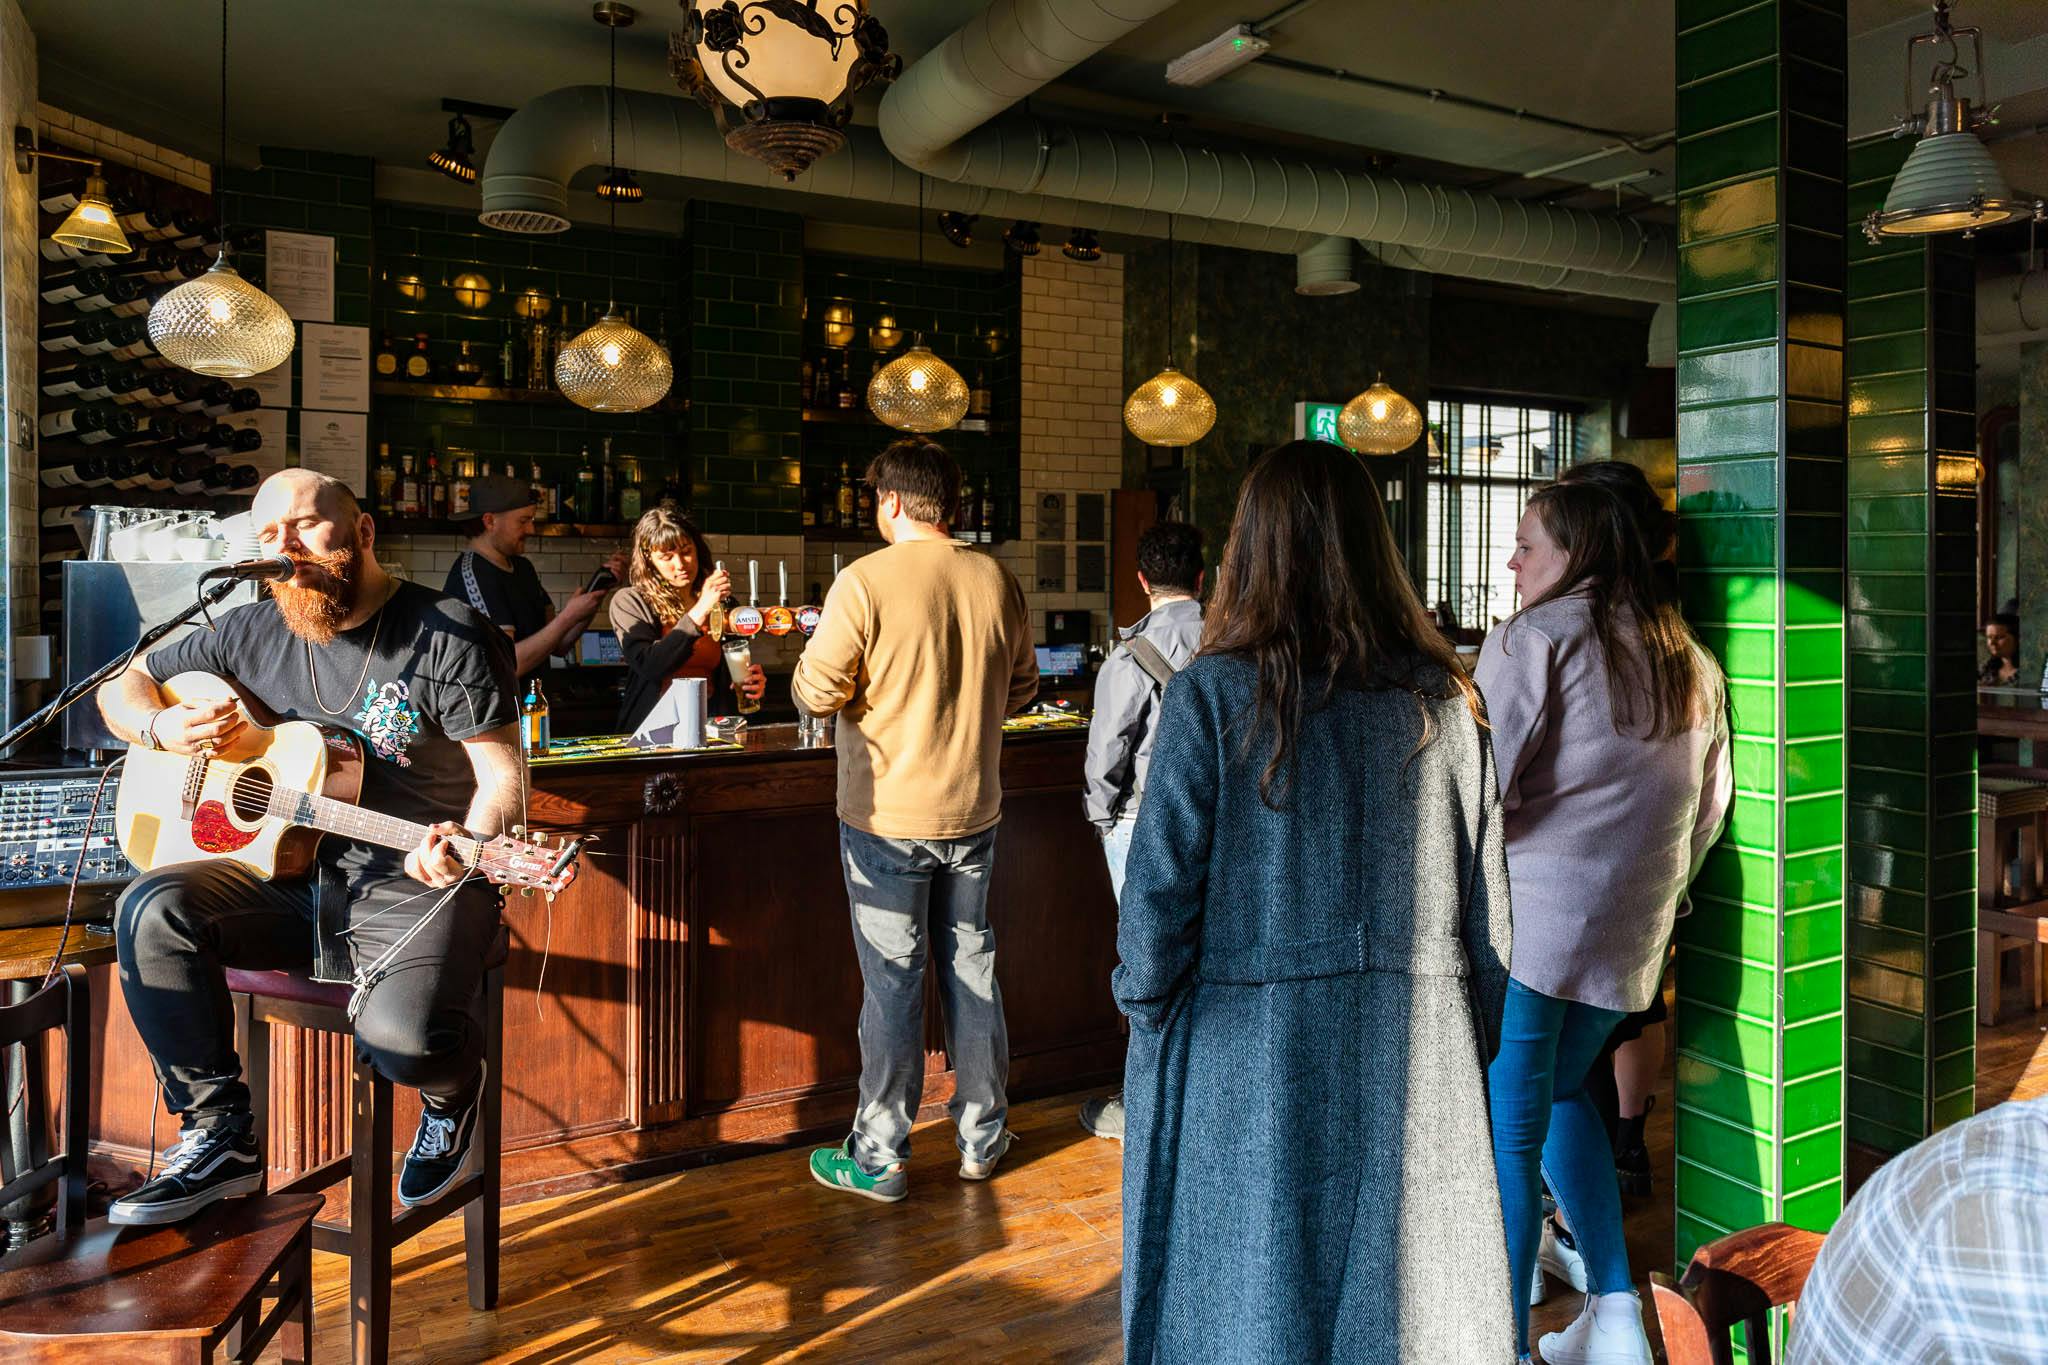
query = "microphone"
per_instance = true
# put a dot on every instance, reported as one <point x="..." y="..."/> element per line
<point x="271" y="568"/>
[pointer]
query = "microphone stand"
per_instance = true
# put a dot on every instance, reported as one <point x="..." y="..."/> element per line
<point x="208" y="598"/>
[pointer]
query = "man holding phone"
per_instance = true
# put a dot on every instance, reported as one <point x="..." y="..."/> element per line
<point x="495" y="577"/>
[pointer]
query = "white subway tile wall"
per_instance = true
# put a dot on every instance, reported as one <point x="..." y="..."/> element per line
<point x="121" y="149"/>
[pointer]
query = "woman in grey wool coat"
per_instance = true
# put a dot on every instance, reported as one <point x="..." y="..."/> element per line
<point x="1314" y="944"/>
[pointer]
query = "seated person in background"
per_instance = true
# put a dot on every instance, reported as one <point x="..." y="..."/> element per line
<point x="1942" y="1257"/>
<point x="669" y="618"/>
<point x="496" y="578"/>
<point x="2002" y="638"/>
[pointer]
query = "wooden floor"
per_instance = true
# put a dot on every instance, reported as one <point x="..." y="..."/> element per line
<point x="752" y="1261"/>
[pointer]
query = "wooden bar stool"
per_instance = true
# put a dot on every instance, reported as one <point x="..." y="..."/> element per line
<point x="179" y="1292"/>
<point x="373" y="1229"/>
<point x="2012" y="887"/>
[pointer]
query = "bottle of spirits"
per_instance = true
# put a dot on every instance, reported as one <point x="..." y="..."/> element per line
<point x="810" y="508"/>
<point x="672" y="492"/>
<point x="462" y="472"/>
<point x="419" y="366"/>
<point x="847" y="501"/>
<point x="978" y="396"/>
<point x="845" y="382"/>
<point x="587" y="509"/>
<point x="508" y="362"/>
<point x="544" y="506"/>
<point x="864" y="506"/>
<point x="533" y="718"/>
<point x="985" y="513"/>
<point x="804" y="385"/>
<point x="387" y="358"/>
<point x="437" y="489"/>
<point x="387" y="481"/>
<point x="629" y="496"/>
<point x="408" y="496"/>
<point x="469" y="369"/>
<point x="968" y="525"/>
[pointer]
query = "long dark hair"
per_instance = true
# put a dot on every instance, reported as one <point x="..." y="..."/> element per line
<point x="1657" y="689"/>
<point x="1653" y="521"/>
<point x="662" y="529"/>
<point x="1313" y="593"/>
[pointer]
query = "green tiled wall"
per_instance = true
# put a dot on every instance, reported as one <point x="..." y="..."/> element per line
<point x="1761" y="488"/>
<point x="1912" y="648"/>
<point x="577" y="269"/>
<point x="745" y="309"/>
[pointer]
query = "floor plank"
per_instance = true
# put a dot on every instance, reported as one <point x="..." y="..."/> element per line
<point x="753" y="1262"/>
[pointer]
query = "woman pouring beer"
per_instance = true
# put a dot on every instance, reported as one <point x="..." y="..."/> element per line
<point x="670" y="617"/>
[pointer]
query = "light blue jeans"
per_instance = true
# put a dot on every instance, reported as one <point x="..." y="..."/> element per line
<point x="1116" y="849"/>
<point x="907" y="894"/>
<point x="1546" y="1128"/>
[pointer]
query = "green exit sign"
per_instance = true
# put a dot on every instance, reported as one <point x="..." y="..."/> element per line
<point x="1317" y="422"/>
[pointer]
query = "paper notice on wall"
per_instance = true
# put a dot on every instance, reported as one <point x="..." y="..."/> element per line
<point x="334" y="368"/>
<point x="337" y="443"/>
<point x="270" y="423"/>
<point x="274" y="385"/>
<point x="298" y="271"/>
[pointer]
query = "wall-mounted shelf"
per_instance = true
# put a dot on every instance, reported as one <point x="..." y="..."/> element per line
<point x="426" y="526"/>
<point x="861" y="417"/>
<point x="485" y="393"/>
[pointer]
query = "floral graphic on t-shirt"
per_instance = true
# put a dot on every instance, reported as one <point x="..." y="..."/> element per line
<point x="389" y="721"/>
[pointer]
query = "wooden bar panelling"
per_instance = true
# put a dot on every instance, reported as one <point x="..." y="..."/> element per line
<point x="694" y="995"/>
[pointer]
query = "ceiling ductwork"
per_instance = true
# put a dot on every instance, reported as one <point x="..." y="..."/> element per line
<point x="1325" y="268"/>
<point x="1523" y="274"/>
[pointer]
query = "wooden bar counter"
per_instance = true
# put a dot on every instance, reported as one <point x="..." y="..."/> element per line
<point x="694" y="995"/>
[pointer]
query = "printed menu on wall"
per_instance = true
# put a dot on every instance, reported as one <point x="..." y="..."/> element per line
<point x="336" y="443"/>
<point x="335" y="373"/>
<point x="298" y="271"/>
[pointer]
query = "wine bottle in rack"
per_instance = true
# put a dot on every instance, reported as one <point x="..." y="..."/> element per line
<point x="150" y="222"/>
<point x="188" y="473"/>
<point x="123" y="469"/>
<point x="166" y="264"/>
<point x="201" y="393"/>
<point x="60" y="195"/>
<point x="153" y="428"/>
<point x="69" y="286"/>
<point x="229" y="440"/>
<point x="74" y="469"/>
<point x="144" y="388"/>
<point x="122" y="294"/>
<point x="68" y="256"/>
<point x="238" y="400"/>
<point x="91" y="423"/>
<point x="90" y="380"/>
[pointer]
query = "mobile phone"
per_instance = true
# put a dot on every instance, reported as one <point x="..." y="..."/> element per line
<point x="604" y="578"/>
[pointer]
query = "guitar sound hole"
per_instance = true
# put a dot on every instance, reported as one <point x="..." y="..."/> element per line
<point x="250" y="795"/>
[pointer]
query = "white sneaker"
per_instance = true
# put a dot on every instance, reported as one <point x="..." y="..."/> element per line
<point x="1559" y="1255"/>
<point x="1609" y="1331"/>
<point x="1538" y="1290"/>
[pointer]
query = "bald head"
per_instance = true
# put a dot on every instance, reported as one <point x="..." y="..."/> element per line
<point x="301" y="512"/>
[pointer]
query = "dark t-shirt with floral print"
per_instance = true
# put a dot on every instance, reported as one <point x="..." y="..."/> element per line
<point x="412" y="682"/>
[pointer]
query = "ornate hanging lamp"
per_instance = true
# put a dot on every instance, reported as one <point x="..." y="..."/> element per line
<point x="1949" y="182"/>
<point x="917" y="391"/>
<point x="1169" y="409"/>
<point x="1379" y="421"/>
<point x="220" y="325"/>
<point x="779" y="75"/>
<point x="613" y="366"/>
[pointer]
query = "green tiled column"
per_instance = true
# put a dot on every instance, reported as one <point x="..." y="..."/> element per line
<point x="1912" y="648"/>
<point x="1761" y="97"/>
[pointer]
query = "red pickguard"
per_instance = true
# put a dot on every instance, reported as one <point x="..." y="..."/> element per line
<point x="213" y="832"/>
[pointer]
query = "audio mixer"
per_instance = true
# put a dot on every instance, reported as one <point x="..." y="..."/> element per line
<point x="42" y="831"/>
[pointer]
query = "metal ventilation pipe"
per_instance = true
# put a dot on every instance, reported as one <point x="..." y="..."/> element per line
<point x="1525" y="275"/>
<point x="1324" y="268"/>
<point x="544" y="145"/>
<point x="2012" y="308"/>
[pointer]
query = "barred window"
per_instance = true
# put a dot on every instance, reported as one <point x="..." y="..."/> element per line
<point x="1484" y="461"/>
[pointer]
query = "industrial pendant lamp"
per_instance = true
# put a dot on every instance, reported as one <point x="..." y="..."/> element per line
<point x="613" y="366"/>
<point x="1169" y="409"/>
<point x="220" y="325"/>
<point x="457" y="158"/>
<point x="917" y="391"/>
<point x="91" y="224"/>
<point x="1379" y="421"/>
<point x="1949" y="182"/>
<point x="779" y="75"/>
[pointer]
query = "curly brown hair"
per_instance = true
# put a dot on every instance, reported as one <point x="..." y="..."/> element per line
<point x="663" y="529"/>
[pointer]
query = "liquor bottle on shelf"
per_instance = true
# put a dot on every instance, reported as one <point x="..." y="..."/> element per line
<point x="469" y="370"/>
<point x="672" y="491"/>
<point x="985" y="514"/>
<point x="563" y="493"/>
<point x="805" y="382"/>
<point x="978" y="396"/>
<point x="847" y="500"/>
<point x="605" y="494"/>
<point x="74" y="469"/>
<point x="968" y="525"/>
<point x="419" y="366"/>
<point x="845" y="382"/>
<point x="540" y="373"/>
<point x="545" y="508"/>
<point x="826" y="494"/>
<point x="810" y="508"/>
<point x="408" y="495"/>
<point x="386" y="480"/>
<point x="586" y="490"/>
<point x="386" y="363"/>
<point x="508" y="361"/>
<point x="630" y="498"/>
<point x="864" y="507"/>
<point x="437" y="489"/>
<point x="461" y="475"/>
<point x="91" y="423"/>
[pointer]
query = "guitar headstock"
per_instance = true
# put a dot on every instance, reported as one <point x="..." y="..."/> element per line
<point x="528" y="863"/>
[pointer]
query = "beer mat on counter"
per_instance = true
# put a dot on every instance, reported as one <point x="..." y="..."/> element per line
<point x="1017" y="725"/>
<point x="583" y="749"/>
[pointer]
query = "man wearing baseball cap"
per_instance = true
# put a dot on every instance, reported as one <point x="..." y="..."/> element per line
<point x="494" y="576"/>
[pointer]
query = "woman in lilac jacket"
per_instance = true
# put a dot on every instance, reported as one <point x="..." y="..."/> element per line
<point x="1611" y="739"/>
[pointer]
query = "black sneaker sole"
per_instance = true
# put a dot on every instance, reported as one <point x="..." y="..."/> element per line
<point x="177" y="1210"/>
<point x="463" y="1170"/>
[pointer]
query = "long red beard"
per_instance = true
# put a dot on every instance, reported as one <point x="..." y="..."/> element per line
<point x="315" y="614"/>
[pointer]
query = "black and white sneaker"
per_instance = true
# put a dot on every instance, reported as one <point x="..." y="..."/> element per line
<point x="208" y="1164"/>
<point x="443" y="1152"/>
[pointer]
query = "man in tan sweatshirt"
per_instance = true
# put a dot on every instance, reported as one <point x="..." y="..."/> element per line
<point x="923" y="649"/>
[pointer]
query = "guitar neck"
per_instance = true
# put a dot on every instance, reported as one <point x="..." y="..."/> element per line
<point x="329" y="816"/>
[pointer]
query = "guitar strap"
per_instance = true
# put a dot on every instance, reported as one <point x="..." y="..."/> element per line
<point x="331" y="962"/>
<point x="469" y="587"/>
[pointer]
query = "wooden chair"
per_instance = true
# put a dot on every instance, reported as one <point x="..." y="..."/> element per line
<point x="1737" y="1278"/>
<point x="180" y="1292"/>
<point x="373" y="1230"/>
<point x="2012" y="828"/>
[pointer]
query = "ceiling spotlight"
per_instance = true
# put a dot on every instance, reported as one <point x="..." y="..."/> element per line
<point x="1082" y="246"/>
<point x="1221" y="55"/>
<point x="958" y="228"/>
<point x="1022" y="237"/>
<point x="620" y="185"/>
<point x="457" y="159"/>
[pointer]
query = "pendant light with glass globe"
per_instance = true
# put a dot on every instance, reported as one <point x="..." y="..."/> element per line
<point x="1379" y="421"/>
<point x="613" y="366"/>
<point x="1169" y="409"/>
<point x="220" y="325"/>
<point x="917" y="391"/>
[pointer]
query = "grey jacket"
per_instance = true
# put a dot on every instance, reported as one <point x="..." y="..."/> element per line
<point x="1127" y="711"/>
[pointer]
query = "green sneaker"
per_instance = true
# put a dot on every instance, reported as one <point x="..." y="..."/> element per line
<point x="835" y="1169"/>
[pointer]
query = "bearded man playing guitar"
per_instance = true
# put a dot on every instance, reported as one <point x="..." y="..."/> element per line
<point x="425" y="683"/>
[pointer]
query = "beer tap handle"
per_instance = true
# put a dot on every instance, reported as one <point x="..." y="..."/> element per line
<point x="782" y="581"/>
<point x="753" y="582"/>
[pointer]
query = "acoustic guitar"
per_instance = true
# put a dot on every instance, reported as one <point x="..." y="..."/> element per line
<point x="266" y="798"/>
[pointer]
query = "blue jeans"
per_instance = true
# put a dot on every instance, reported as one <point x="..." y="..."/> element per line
<point x="1116" y="849"/>
<point x="1545" y="1128"/>
<point x="905" y="893"/>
